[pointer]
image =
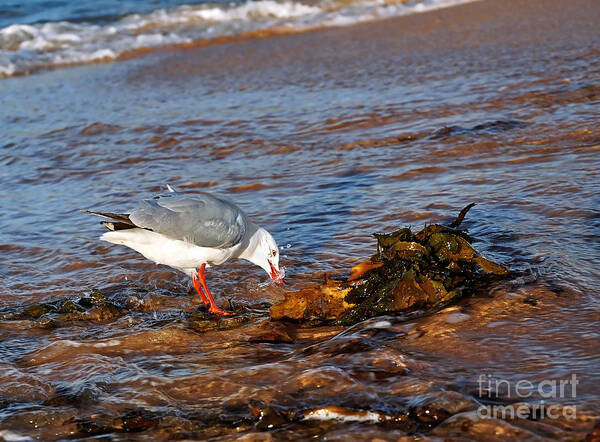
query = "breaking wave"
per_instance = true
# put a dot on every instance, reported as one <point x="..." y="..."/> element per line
<point x="26" y="48"/>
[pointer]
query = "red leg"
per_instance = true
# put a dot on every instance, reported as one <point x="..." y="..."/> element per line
<point x="198" y="288"/>
<point x="214" y="309"/>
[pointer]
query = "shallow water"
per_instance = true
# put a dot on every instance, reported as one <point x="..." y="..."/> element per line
<point x="322" y="144"/>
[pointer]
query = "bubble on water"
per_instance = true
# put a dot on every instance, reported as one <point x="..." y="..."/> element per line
<point x="277" y="280"/>
<point x="281" y="275"/>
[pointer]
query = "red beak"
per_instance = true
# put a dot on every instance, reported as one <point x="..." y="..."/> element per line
<point x="275" y="275"/>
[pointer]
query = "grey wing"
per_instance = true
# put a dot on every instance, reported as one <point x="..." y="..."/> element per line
<point x="204" y="220"/>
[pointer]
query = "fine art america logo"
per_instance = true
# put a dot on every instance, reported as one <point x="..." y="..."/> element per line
<point x="540" y="398"/>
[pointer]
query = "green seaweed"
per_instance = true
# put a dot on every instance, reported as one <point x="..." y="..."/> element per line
<point x="409" y="272"/>
<point x="420" y="271"/>
<point x="34" y="311"/>
<point x="70" y="306"/>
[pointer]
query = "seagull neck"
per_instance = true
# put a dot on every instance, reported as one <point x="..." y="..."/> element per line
<point x="251" y="243"/>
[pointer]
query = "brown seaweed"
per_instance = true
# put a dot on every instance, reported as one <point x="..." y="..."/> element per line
<point x="409" y="272"/>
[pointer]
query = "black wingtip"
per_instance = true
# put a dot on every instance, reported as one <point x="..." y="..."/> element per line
<point x="115" y="225"/>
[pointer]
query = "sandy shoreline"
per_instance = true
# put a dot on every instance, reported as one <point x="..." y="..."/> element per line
<point x="481" y="24"/>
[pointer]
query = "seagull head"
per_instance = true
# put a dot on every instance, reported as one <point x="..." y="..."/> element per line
<point x="266" y="255"/>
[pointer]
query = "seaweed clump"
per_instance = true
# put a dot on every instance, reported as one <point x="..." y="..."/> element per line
<point x="409" y="272"/>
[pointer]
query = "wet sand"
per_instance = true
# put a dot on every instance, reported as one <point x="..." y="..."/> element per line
<point x="323" y="137"/>
<point x="421" y="40"/>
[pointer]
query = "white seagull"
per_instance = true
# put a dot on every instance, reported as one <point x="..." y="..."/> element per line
<point x="192" y="232"/>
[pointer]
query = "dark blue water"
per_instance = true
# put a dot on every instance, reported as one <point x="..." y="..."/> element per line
<point x="88" y="11"/>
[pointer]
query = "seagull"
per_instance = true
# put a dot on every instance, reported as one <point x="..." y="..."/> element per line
<point x="193" y="232"/>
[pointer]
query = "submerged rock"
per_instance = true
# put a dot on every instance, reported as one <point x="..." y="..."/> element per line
<point x="204" y="321"/>
<point x="410" y="271"/>
<point x="130" y="421"/>
<point x="437" y="407"/>
<point x="92" y="306"/>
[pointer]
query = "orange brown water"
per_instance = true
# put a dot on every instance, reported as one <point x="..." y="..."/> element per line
<point x="323" y="138"/>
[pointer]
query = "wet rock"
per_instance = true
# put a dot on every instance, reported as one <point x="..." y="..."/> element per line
<point x="36" y="310"/>
<point x="324" y="383"/>
<point x="176" y="428"/>
<point x="466" y="427"/>
<point x="135" y="421"/>
<point x="105" y="312"/>
<point x="95" y="297"/>
<point x="530" y="300"/>
<point x="272" y="332"/>
<point x="409" y="272"/>
<point x="93" y="306"/>
<point x="100" y="313"/>
<point x="130" y="421"/>
<point x="32" y="312"/>
<point x="270" y="417"/>
<point x="204" y="321"/>
<point x="85" y="398"/>
<point x="430" y="415"/>
<point x="70" y="307"/>
<point x="434" y="409"/>
<point x="39" y="424"/>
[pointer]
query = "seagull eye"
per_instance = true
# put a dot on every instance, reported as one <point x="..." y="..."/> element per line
<point x="273" y="253"/>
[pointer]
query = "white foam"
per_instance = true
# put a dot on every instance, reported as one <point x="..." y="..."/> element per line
<point x="10" y="436"/>
<point x="26" y="48"/>
<point x="381" y="324"/>
<point x="111" y="343"/>
<point x="325" y="414"/>
<point x="455" y="318"/>
<point x="103" y="54"/>
<point x="277" y="280"/>
<point x="7" y="69"/>
<point x="69" y="343"/>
